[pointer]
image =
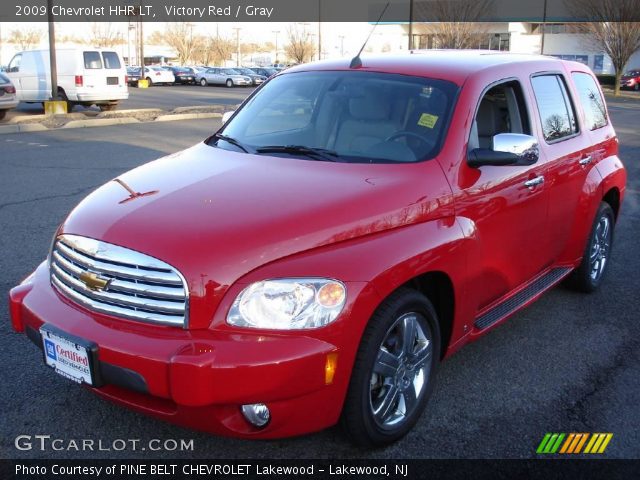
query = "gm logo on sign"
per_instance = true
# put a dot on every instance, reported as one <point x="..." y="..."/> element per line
<point x="574" y="443"/>
<point x="51" y="349"/>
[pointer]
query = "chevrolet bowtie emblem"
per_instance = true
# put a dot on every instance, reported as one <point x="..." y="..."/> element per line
<point x="93" y="281"/>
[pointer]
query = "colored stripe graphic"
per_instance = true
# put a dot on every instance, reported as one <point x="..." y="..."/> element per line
<point x="574" y="443"/>
<point x="598" y="443"/>
<point x="550" y="443"/>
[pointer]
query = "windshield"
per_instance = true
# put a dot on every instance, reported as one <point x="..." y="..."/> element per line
<point x="632" y="73"/>
<point x="357" y="116"/>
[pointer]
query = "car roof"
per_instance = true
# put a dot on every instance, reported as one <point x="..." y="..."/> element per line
<point x="452" y="65"/>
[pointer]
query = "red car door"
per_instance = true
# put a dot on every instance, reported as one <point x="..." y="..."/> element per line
<point x="569" y="158"/>
<point x="507" y="204"/>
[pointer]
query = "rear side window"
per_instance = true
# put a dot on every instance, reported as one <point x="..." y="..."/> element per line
<point x="557" y="115"/>
<point x="92" y="60"/>
<point x="111" y="60"/>
<point x="595" y="113"/>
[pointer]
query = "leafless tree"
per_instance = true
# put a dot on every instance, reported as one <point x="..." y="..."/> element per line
<point x="25" y="39"/>
<point x="104" y="35"/>
<point x="611" y="29"/>
<point x="555" y="127"/>
<point x="300" y="48"/>
<point x="179" y="36"/>
<point x="456" y="23"/>
<point x="213" y="50"/>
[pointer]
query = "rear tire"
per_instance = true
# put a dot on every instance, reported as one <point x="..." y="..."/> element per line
<point x="394" y="372"/>
<point x="62" y="95"/>
<point x="3" y="113"/>
<point x="589" y="274"/>
<point x="229" y="83"/>
<point x="149" y="81"/>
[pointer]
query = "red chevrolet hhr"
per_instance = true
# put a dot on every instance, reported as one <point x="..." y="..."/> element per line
<point x="346" y="229"/>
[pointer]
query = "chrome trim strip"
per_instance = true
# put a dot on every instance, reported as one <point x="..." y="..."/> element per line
<point x="121" y="285"/>
<point x="122" y="300"/>
<point x="98" y="266"/>
<point x="117" y="311"/>
<point x="140" y="287"/>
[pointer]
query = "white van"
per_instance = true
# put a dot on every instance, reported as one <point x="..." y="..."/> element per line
<point x="85" y="77"/>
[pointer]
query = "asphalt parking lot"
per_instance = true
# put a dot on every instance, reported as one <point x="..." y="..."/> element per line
<point x="166" y="97"/>
<point x="569" y="363"/>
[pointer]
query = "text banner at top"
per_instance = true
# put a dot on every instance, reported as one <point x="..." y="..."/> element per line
<point x="399" y="11"/>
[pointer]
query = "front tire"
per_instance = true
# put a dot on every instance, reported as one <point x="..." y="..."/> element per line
<point x="203" y="82"/>
<point x="229" y="83"/>
<point x="149" y="81"/>
<point x="589" y="274"/>
<point x="394" y="372"/>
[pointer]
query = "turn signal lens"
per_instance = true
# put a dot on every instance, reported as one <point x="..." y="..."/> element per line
<point x="331" y="295"/>
<point x="330" y="368"/>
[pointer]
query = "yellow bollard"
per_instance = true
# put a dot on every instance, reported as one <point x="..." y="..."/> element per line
<point x="55" y="107"/>
<point x="143" y="83"/>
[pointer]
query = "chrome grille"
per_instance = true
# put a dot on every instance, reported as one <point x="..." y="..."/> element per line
<point x="139" y="287"/>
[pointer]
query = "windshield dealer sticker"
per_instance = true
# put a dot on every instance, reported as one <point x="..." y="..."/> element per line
<point x="427" y="120"/>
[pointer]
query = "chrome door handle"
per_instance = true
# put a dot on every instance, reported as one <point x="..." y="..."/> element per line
<point x="534" y="182"/>
<point x="585" y="161"/>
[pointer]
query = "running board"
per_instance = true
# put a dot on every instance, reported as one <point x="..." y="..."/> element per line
<point x="525" y="295"/>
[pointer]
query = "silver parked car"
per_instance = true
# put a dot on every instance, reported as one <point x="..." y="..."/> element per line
<point x="255" y="78"/>
<point x="223" y="76"/>
<point x="8" y="98"/>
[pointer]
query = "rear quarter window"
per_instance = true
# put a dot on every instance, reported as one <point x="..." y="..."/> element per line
<point x="557" y="115"/>
<point x="92" y="60"/>
<point x="111" y="60"/>
<point x="595" y="112"/>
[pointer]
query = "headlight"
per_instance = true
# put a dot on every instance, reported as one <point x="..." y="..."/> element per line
<point x="288" y="304"/>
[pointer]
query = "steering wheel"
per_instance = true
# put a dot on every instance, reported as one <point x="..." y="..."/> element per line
<point x="407" y="133"/>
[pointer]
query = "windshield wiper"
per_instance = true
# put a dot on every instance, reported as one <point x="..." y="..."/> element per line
<point x="311" y="152"/>
<point x="233" y="142"/>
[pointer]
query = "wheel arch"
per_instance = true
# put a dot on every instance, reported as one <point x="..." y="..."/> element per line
<point x="612" y="197"/>
<point x="438" y="288"/>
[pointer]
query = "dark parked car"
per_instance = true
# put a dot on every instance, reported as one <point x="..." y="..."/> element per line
<point x="265" y="72"/>
<point x="183" y="75"/>
<point x="133" y="75"/>
<point x="631" y="79"/>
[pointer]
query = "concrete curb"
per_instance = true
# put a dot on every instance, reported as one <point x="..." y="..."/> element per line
<point x="18" y="126"/>
<point x="98" y="122"/>
<point x="187" y="116"/>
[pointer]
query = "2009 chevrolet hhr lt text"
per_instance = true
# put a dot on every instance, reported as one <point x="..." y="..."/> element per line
<point x="347" y="228"/>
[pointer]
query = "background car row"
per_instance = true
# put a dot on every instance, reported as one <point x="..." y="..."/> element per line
<point x="203" y="76"/>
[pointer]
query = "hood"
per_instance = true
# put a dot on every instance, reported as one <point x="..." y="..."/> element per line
<point x="217" y="215"/>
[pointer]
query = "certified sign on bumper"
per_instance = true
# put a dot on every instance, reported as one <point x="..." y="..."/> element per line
<point x="69" y="357"/>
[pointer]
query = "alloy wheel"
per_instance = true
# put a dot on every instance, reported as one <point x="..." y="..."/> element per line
<point x="400" y="372"/>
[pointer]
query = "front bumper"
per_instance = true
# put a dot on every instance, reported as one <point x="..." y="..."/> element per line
<point x="195" y="378"/>
<point x="242" y="82"/>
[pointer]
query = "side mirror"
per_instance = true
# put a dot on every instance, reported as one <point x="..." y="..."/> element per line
<point x="508" y="149"/>
<point x="226" y="116"/>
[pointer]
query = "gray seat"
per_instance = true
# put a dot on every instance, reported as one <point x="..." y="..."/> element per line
<point x="489" y="123"/>
<point x="366" y="125"/>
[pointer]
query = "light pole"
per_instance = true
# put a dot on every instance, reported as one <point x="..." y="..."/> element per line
<point x="276" y="32"/>
<point x="544" y="26"/>
<point x="410" y="24"/>
<point x="52" y="52"/>
<point x="237" y="29"/>
<point x="319" y="33"/>
<point x="341" y="45"/>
